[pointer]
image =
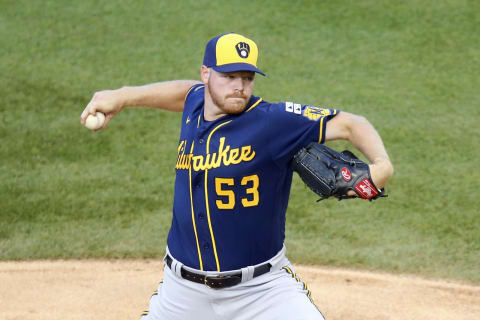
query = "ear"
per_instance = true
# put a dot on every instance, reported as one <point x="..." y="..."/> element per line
<point x="205" y="74"/>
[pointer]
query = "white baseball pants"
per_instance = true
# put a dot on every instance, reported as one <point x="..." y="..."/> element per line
<point x="276" y="295"/>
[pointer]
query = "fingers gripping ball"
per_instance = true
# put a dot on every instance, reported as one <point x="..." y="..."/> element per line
<point x="332" y="174"/>
<point x="95" y="122"/>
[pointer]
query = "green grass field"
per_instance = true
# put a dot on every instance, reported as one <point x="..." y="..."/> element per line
<point x="411" y="67"/>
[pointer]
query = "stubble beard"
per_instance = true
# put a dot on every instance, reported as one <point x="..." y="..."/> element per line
<point x="228" y="107"/>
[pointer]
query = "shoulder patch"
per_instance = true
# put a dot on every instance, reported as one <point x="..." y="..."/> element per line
<point x="314" y="113"/>
<point x="293" y="107"/>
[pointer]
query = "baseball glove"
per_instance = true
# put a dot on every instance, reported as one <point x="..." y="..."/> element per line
<point x="330" y="173"/>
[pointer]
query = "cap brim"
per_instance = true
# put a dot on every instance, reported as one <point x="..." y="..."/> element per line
<point x="234" y="67"/>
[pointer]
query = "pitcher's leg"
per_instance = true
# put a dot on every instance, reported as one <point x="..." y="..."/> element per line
<point x="179" y="299"/>
<point x="278" y="295"/>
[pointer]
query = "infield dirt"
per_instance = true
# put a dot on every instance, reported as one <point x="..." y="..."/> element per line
<point x="120" y="289"/>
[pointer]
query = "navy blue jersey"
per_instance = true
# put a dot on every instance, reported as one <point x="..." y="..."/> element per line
<point x="233" y="180"/>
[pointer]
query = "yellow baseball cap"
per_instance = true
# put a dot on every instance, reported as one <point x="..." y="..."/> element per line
<point x="231" y="52"/>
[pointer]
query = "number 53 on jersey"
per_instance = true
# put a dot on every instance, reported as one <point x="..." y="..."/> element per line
<point x="226" y="196"/>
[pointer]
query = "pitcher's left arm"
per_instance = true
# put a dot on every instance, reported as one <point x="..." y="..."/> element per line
<point x="363" y="136"/>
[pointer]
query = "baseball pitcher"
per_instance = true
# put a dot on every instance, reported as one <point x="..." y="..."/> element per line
<point x="225" y="255"/>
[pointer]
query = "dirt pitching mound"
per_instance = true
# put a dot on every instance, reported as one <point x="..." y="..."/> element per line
<point x="120" y="289"/>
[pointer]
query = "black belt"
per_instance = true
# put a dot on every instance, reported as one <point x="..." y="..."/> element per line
<point x="218" y="282"/>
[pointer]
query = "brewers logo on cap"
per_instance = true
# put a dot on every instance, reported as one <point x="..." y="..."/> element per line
<point x="243" y="49"/>
<point x="231" y="52"/>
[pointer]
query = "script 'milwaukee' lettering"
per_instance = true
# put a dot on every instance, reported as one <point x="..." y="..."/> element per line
<point x="183" y="160"/>
<point x="225" y="156"/>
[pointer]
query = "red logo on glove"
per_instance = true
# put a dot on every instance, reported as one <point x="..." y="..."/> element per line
<point x="366" y="189"/>
<point x="346" y="174"/>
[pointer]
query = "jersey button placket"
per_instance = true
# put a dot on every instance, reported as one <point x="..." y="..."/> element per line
<point x="198" y="180"/>
<point x="198" y="184"/>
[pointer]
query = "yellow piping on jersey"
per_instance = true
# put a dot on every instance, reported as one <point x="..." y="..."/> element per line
<point x="193" y="212"/>
<point x="321" y="130"/>
<point x="189" y="90"/>
<point x="206" y="196"/>
<point x="254" y="105"/>
<point x="321" y="126"/>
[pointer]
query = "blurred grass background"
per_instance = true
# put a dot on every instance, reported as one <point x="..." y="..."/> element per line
<point x="411" y="67"/>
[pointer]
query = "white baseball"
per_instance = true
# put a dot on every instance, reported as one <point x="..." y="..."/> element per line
<point x="94" y="122"/>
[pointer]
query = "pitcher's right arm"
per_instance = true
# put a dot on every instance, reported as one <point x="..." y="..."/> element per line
<point x="168" y="95"/>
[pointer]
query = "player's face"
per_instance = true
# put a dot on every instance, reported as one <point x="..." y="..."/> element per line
<point x="230" y="92"/>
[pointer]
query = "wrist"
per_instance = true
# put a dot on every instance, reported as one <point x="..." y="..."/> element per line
<point x="381" y="171"/>
<point x="125" y="95"/>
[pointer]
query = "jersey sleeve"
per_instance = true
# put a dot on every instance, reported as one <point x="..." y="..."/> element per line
<point x="293" y="126"/>
<point x="194" y="93"/>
